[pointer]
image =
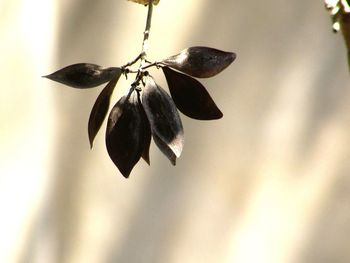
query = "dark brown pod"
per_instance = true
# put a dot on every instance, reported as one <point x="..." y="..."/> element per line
<point x="200" y="62"/>
<point x="165" y="148"/>
<point x="84" y="75"/>
<point x="125" y="138"/>
<point x="100" y="109"/>
<point x="191" y="97"/>
<point x="147" y="133"/>
<point x="164" y="119"/>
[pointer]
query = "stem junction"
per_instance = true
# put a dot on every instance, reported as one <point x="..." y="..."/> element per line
<point x="144" y="63"/>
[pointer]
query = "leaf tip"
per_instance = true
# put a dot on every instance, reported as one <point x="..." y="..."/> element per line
<point x="125" y="174"/>
<point x="233" y="56"/>
<point x="91" y="145"/>
<point x="49" y="76"/>
<point x="91" y="137"/>
<point x="146" y="159"/>
<point x="177" y="145"/>
<point x="219" y="114"/>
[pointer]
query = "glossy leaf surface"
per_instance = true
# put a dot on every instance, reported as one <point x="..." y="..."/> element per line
<point x="100" y="109"/>
<point x="164" y="119"/>
<point x="200" y="62"/>
<point x="165" y="148"/>
<point x="191" y="97"/>
<point x="125" y="137"/>
<point x="84" y="75"/>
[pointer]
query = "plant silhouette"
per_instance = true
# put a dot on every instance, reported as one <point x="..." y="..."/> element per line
<point x="148" y="111"/>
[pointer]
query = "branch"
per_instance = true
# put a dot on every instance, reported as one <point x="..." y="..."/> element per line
<point x="146" y="33"/>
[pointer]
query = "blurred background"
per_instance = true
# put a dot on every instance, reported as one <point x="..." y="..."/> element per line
<point x="270" y="182"/>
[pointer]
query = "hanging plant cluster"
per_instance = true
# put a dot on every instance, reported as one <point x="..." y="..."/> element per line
<point x="147" y="111"/>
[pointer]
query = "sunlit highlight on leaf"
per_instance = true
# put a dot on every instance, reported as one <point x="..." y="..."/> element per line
<point x="200" y="62"/>
<point x="164" y="119"/>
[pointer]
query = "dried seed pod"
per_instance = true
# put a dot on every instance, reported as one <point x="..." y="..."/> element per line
<point x="147" y="141"/>
<point x="147" y="133"/>
<point x="200" y="62"/>
<point x="164" y="119"/>
<point x="125" y="138"/>
<point x="166" y="150"/>
<point x="84" y="75"/>
<point x="100" y="109"/>
<point x="191" y="97"/>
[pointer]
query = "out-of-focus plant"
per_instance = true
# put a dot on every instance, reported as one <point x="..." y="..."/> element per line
<point x="147" y="111"/>
<point x="340" y="14"/>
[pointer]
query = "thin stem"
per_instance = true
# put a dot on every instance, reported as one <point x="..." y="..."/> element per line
<point x="143" y="55"/>
<point x="157" y="64"/>
<point x="146" y="33"/>
<point x="132" y="62"/>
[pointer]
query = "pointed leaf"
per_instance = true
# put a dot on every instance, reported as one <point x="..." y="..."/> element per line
<point x="166" y="150"/>
<point x="84" y="75"/>
<point x="200" y="62"/>
<point x="190" y="96"/>
<point x="125" y="137"/>
<point x="164" y="119"/>
<point x="100" y="109"/>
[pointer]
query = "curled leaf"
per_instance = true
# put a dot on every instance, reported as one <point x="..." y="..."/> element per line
<point x="125" y="138"/>
<point x="84" y="75"/>
<point x="100" y="109"/>
<point x="200" y="62"/>
<point x="191" y="97"/>
<point x="164" y="119"/>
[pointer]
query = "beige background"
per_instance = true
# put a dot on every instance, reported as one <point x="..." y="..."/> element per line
<point x="270" y="182"/>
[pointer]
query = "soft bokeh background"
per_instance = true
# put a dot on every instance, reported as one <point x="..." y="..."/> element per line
<point x="270" y="182"/>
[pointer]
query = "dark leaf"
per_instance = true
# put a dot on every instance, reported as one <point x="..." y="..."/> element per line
<point x="164" y="119"/>
<point x="200" y="62"/>
<point x="100" y="109"/>
<point x="125" y="137"/>
<point x="166" y="150"/>
<point x="191" y="97"/>
<point x="84" y="75"/>
<point x="147" y="141"/>
<point x="147" y="134"/>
